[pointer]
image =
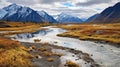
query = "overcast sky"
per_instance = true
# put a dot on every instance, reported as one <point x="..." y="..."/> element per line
<point x="80" y="8"/>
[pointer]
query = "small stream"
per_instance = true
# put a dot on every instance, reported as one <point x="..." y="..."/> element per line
<point x="107" y="56"/>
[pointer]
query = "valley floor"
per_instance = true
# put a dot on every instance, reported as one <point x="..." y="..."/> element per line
<point x="104" y="33"/>
<point x="16" y="54"/>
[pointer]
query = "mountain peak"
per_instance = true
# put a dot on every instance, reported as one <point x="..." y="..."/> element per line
<point x="12" y="7"/>
<point x="13" y="4"/>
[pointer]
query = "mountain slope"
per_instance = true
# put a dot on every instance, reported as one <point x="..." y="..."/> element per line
<point x="111" y="14"/>
<point x="46" y="16"/>
<point x="22" y="14"/>
<point x="65" y="18"/>
<point x="90" y="19"/>
<point x="2" y="13"/>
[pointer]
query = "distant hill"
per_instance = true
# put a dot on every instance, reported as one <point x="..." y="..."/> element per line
<point x="66" y="18"/>
<point x="109" y="15"/>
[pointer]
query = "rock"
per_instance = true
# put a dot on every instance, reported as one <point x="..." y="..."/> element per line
<point x="55" y="42"/>
<point x="38" y="57"/>
<point x="95" y="65"/>
<point x="73" y="55"/>
<point x="101" y="46"/>
<point x="87" y="58"/>
<point x="91" y="54"/>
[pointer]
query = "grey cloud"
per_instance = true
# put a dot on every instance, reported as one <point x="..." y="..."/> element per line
<point x="76" y="12"/>
<point x="29" y="2"/>
<point x="50" y="1"/>
<point x="23" y="2"/>
<point x="93" y="2"/>
<point x="72" y="10"/>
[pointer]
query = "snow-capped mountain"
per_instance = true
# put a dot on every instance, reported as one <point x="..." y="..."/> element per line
<point x="22" y="14"/>
<point x="2" y="13"/>
<point x="47" y="17"/>
<point x="66" y="18"/>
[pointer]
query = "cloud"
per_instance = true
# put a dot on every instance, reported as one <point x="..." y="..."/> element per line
<point x="50" y="1"/>
<point x="24" y="2"/>
<point x="93" y="2"/>
<point x="37" y="1"/>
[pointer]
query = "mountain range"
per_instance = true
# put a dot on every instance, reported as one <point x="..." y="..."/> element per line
<point x="18" y="13"/>
<point x="15" y="12"/>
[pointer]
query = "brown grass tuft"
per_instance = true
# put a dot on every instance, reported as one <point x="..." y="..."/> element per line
<point x="71" y="64"/>
<point x="46" y="53"/>
<point x="50" y="59"/>
<point x="42" y="49"/>
<point x="37" y="40"/>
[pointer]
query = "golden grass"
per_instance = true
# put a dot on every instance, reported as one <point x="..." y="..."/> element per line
<point x="37" y="40"/>
<point x="14" y="26"/>
<point x="71" y="64"/>
<point x="50" y="59"/>
<point x="14" y="58"/>
<point x="57" y="54"/>
<point x="103" y="32"/>
<point x="20" y="27"/>
<point x="6" y="43"/>
<point x="42" y="49"/>
<point x="46" y="43"/>
<point x="46" y="53"/>
<point x="12" y="54"/>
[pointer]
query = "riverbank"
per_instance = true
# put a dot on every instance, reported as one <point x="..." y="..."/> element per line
<point x="47" y="55"/>
<point x="42" y="55"/>
<point x="103" y="33"/>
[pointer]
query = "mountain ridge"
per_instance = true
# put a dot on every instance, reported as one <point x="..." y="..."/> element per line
<point x="109" y="15"/>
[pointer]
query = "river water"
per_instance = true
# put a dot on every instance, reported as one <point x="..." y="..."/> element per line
<point x="107" y="56"/>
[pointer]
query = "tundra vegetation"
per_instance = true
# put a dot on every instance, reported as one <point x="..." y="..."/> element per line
<point x="13" y="54"/>
<point x="97" y="32"/>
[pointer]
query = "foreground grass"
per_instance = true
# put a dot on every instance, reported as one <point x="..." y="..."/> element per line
<point x="100" y="32"/>
<point x="12" y="54"/>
